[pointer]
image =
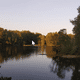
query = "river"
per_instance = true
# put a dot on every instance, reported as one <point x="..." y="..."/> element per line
<point x="26" y="63"/>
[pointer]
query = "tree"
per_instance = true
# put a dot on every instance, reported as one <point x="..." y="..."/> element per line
<point x="49" y="39"/>
<point x="52" y="39"/>
<point x="41" y="40"/>
<point x="55" y="38"/>
<point x="1" y="36"/>
<point x="76" y="29"/>
<point x="65" y="42"/>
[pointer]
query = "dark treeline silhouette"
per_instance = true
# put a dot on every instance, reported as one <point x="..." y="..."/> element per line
<point x="76" y="30"/>
<point x="17" y="37"/>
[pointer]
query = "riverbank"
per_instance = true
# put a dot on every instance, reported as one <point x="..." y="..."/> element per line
<point x="33" y="45"/>
<point x="69" y="56"/>
<point x="30" y="45"/>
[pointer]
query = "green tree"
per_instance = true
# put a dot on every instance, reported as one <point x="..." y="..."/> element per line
<point x="76" y="30"/>
<point x="65" y="42"/>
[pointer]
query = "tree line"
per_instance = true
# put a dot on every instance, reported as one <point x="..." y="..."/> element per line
<point x="64" y="41"/>
<point x="68" y="43"/>
<point x="9" y="37"/>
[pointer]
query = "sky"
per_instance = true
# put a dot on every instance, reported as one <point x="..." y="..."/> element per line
<point x="42" y="16"/>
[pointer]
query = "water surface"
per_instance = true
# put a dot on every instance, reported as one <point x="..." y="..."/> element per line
<point x="25" y="63"/>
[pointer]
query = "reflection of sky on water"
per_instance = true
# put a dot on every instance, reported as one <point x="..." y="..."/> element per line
<point x="31" y="68"/>
<point x="35" y="67"/>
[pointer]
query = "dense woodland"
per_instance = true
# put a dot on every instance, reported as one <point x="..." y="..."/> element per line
<point x="65" y="43"/>
<point x="9" y="37"/>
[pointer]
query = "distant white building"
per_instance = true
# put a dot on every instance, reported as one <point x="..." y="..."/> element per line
<point x="33" y="43"/>
<point x="64" y="31"/>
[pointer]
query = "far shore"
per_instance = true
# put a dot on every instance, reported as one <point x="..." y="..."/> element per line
<point x="30" y="45"/>
<point x="33" y="45"/>
<point x="62" y="56"/>
<point x="69" y="56"/>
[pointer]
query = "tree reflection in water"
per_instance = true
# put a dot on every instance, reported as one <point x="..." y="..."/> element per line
<point x="56" y="68"/>
<point x="14" y="52"/>
<point x="5" y="78"/>
<point x="11" y="52"/>
<point x="50" y="52"/>
<point x="60" y="65"/>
